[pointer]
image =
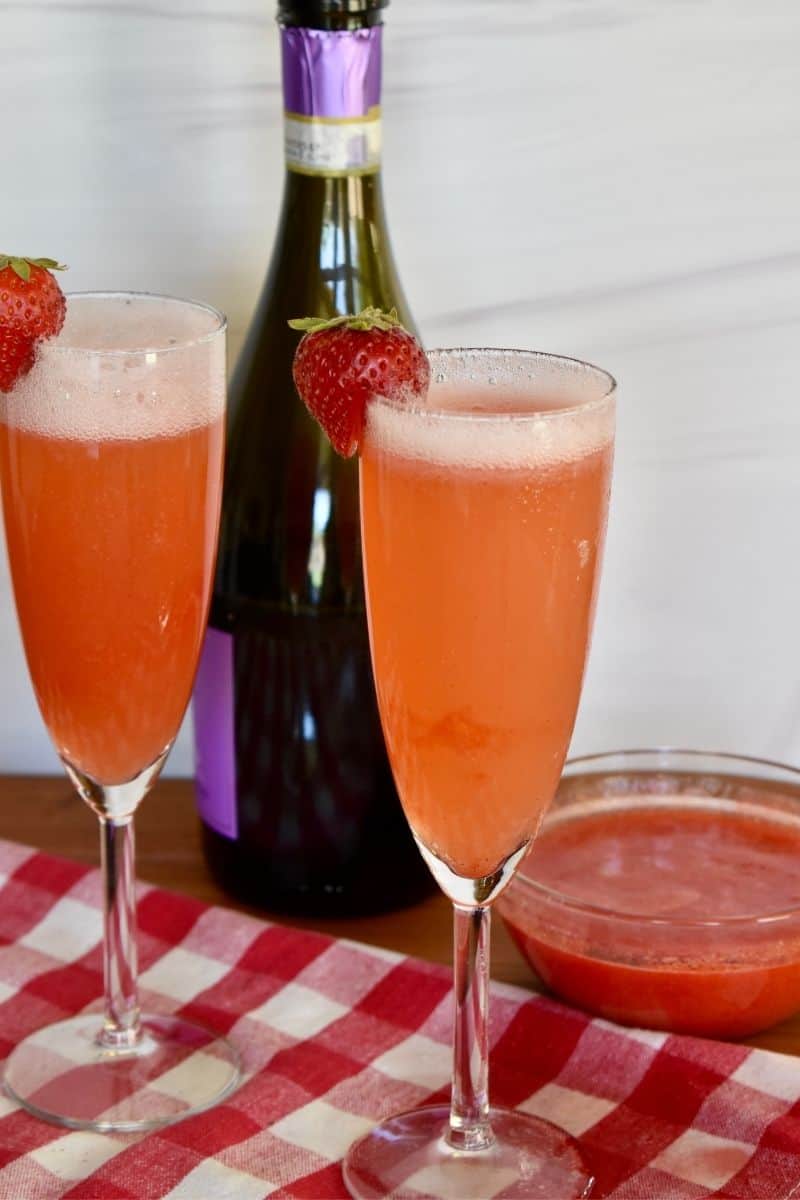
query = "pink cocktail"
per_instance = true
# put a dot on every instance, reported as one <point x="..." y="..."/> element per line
<point x="111" y="468"/>
<point x="121" y="531"/>
<point x="482" y="562"/>
<point x="483" y="515"/>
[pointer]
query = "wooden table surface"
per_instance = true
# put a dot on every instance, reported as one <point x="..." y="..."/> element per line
<point x="43" y="811"/>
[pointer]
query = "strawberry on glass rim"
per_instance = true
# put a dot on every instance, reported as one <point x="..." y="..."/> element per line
<point x="342" y="363"/>
<point x="32" y="307"/>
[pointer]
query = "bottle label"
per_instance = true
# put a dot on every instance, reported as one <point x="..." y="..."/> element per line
<point x="215" y="753"/>
<point x="332" y="90"/>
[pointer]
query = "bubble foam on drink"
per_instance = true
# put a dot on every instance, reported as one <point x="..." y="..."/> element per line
<point x="498" y="409"/>
<point x="124" y="367"/>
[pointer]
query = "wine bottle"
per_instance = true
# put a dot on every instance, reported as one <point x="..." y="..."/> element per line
<point x="296" y="797"/>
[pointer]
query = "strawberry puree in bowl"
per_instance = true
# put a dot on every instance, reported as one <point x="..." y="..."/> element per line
<point x="663" y="890"/>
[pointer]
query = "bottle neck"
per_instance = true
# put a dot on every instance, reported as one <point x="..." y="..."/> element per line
<point x="332" y="92"/>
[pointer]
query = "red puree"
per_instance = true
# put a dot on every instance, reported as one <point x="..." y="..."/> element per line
<point x="678" y="860"/>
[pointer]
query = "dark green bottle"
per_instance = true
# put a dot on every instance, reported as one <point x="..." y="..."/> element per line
<point x="299" y="809"/>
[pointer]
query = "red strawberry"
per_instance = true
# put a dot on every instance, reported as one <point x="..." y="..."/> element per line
<point x="342" y="363"/>
<point x="32" y="307"/>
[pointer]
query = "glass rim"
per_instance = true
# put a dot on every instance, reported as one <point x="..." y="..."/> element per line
<point x="676" y="751"/>
<point x="564" y="361"/>
<point x="740" y="920"/>
<point x="53" y="346"/>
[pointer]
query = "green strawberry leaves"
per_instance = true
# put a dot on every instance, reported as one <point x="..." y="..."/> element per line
<point x="368" y="318"/>
<point x="22" y="266"/>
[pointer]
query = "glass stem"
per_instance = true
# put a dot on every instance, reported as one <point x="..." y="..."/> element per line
<point x="121" y="1023"/>
<point x="469" y="1103"/>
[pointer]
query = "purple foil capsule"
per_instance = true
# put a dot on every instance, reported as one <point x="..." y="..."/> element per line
<point x="332" y="90"/>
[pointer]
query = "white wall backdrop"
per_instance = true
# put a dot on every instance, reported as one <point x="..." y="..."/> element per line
<point x="614" y="179"/>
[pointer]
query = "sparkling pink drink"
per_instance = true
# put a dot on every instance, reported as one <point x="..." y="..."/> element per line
<point x="482" y="540"/>
<point x="111" y="509"/>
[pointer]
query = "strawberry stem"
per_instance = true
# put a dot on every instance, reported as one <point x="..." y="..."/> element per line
<point x="368" y="318"/>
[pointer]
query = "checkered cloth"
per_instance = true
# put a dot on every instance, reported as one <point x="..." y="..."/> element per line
<point x="335" y="1036"/>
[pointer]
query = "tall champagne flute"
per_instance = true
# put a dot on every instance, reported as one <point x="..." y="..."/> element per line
<point x="111" y="467"/>
<point x="483" y="516"/>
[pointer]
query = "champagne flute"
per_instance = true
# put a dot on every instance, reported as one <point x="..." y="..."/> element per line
<point x="483" y="515"/>
<point x="111" y="467"/>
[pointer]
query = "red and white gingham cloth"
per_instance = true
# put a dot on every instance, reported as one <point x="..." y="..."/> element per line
<point x="335" y="1036"/>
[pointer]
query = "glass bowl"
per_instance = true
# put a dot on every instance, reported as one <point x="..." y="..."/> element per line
<point x="663" y="891"/>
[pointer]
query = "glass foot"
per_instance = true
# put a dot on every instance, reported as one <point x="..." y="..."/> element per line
<point x="407" y="1156"/>
<point x="63" y="1074"/>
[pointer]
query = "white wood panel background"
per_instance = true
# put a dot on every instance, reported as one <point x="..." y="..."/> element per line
<point x="614" y="179"/>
